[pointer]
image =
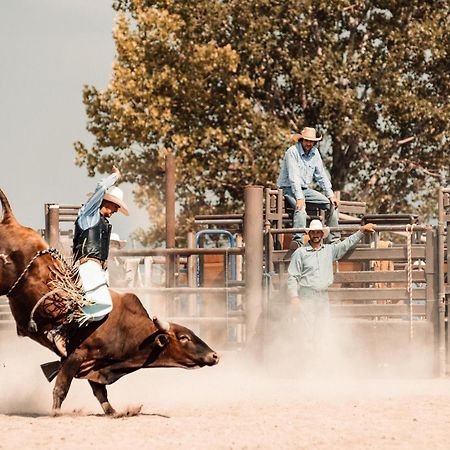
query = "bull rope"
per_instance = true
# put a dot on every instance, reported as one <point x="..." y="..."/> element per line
<point x="58" y="285"/>
<point x="32" y="326"/>
<point x="52" y="251"/>
<point x="409" y="231"/>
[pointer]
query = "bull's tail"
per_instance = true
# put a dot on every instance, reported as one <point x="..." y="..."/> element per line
<point x="51" y="369"/>
<point x="8" y="215"/>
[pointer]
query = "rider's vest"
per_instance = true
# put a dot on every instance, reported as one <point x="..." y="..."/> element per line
<point x="93" y="242"/>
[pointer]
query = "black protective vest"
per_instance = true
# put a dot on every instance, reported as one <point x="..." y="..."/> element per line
<point x="93" y="242"/>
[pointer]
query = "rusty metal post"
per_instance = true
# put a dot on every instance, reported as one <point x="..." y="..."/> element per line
<point x="441" y="283"/>
<point x="170" y="218"/>
<point x="239" y="258"/>
<point x="433" y="312"/>
<point x="191" y="260"/>
<point x="240" y="328"/>
<point x="191" y="274"/>
<point x="253" y="238"/>
<point x="269" y="270"/>
<point x="53" y="225"/>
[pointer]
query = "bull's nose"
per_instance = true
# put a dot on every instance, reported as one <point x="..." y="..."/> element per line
<point x="214" y="358"/>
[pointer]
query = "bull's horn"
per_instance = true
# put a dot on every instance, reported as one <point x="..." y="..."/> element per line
<point x="8" y="215"/>
<point x="161" y="324"/>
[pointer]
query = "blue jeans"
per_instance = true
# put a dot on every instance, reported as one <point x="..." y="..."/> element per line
<point x="320" y="201"/>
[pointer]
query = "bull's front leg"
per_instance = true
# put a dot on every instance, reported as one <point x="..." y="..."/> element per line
<point x="101" y="395"/>
<point x="64" y="379"/>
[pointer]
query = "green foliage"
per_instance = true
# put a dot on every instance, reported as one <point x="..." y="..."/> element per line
<point x="221" y="84"/>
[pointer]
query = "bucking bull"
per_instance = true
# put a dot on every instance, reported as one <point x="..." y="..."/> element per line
<point x="101" y="352"/>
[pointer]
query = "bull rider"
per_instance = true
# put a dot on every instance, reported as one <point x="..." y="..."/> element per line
<point x="91" y="244"/>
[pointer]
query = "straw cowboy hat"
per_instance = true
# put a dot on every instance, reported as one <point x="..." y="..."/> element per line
<point x="307" y="133"/>
<point x="316" y="225"/>
<point x="115" y="195"/>
<point x="116" y="238"/>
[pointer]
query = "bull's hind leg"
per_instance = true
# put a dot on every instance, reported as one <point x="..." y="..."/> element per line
<point x="65" y="376"/>
<point x="101" y="394"/>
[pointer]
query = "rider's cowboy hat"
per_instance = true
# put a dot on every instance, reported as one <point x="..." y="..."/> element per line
<point x="307" y="133"/>
<point x="316" y="225"/>
<point x="115" y="195"/>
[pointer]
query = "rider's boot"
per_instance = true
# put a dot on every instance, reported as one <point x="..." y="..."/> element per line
<point x="59" y="339"/>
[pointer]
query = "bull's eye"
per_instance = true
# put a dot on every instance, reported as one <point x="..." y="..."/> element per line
<point x="184" y="338"/>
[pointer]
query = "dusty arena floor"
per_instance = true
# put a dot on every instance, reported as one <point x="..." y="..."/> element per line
<point x="234" y="405"/>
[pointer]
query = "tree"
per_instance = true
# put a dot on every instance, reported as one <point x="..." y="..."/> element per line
<point x="222" y="84"/>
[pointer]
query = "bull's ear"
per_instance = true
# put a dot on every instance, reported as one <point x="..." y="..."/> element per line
<point x="162" y="340"/>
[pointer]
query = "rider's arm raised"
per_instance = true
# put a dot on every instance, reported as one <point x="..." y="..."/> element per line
<point x="91" y="209"/>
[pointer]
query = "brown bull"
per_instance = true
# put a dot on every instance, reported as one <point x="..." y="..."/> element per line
<point x="102" y="352"/>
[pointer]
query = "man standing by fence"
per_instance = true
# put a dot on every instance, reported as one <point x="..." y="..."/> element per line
<point x="310" y="276"/>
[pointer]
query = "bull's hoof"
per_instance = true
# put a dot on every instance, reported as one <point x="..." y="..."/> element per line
<point x="56" y="412"/>
<point x="131" y="411"/>
<point x="108" y="409"/>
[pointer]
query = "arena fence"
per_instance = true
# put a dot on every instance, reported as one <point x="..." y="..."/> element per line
<point x="402" y="286"/>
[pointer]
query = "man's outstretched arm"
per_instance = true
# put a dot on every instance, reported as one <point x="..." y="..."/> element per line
<point x="341" y="248"/>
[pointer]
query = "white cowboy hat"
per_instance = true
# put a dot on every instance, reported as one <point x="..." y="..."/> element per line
<point x="419" y="264"/>
<point x="115" y="195"/>
<point x="116" y="238"/>
<point x="316" y="225"/>
<point x="309" y="134"/>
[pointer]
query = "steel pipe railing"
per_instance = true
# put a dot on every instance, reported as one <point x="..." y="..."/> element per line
<point x="218" y="216"/>
<point x="183" y="290"/>
<point x="219" y="221"/>
<point x="378" y="228"/>
<point x="178" y="251"/>
<point x="200" y="319"/>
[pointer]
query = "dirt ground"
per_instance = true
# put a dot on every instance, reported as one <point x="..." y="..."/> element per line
<point x="235" y="405"/>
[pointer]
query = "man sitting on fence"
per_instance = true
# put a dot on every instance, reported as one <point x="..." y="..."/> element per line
<point x="301" y="165"/>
